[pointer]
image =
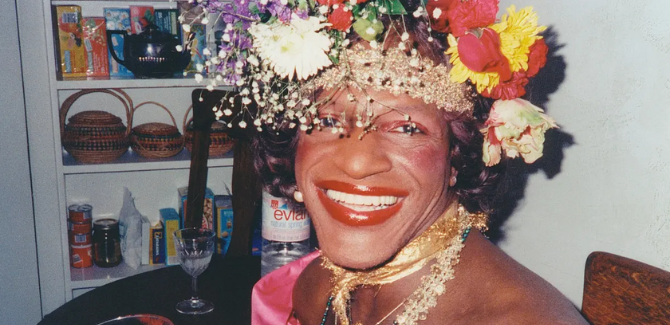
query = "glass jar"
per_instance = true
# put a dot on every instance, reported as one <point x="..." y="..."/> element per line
<point x="106" y="243"/>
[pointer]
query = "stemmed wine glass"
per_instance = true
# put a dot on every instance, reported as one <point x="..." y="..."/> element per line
<point x="195" y="248"/>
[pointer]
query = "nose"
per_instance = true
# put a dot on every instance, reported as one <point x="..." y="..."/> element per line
<point x="362" y="157"/>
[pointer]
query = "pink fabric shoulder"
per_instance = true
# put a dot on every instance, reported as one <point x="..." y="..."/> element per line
<point x="272" y="297"/>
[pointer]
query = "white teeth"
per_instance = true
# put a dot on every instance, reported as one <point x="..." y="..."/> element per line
<point x="362" y="202"/>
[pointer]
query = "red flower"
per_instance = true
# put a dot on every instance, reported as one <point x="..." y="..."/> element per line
<point x="330" y="3"/>
<point x="483" y="53"/>
<point x="441" y="23"/>
<point x="510" y="89"/>
<point x="466" y="15"/>
<point x="340" y="19"/>
<point x="537" y="57"/>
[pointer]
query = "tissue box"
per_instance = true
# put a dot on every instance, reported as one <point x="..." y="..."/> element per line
<point x="171" y="223"/>
<point x="95" y="42"/>
<point x="198" y="45"/>
<point x="140" y="17"/>
<point x="117" y="19"/>
<point x="207" y="211"/>
<point x="224" y="222"/>
<point x="167" y="21"/>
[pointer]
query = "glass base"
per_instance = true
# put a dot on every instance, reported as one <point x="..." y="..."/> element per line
<point x="195" y="306"/>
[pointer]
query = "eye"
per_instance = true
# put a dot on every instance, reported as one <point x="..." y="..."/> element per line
<point x="407" y="128"/>
<point x="329" y="122"/>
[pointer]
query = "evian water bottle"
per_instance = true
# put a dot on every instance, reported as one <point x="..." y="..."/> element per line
<point x="285" y="231"/>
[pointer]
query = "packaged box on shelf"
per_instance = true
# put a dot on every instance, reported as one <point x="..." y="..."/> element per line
<point x="223" y="222"/>
<point x="140" y="17"/>
<point x="153" y="242"/>
<point x="95" y="43"/>
<point x="167" y="21"/>
<point x="207" y="211"/>
<point x="171" y="223"/>
<point x="117" y="19"/>
<point x="72" y="61"/>
<point x="197" y="40"/>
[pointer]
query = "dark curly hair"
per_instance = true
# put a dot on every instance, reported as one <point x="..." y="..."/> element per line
<point x="477" y="186"/>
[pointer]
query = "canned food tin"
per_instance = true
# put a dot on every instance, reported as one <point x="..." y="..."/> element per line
<point x="81" y="256"/>
<point x="79" y="239"/>
<point x="79" y="227"/>
<point x="80" y="213"/>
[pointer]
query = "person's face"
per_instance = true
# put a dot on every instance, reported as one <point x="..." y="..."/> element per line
<point x="368" y="197"/>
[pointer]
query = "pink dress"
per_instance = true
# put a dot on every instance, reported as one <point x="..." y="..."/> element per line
<point x="272" y="297"/>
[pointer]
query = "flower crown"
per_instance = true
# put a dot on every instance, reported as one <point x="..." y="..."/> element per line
<point x="278" y="53"/>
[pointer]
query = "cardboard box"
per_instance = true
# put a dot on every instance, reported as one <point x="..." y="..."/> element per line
<point x="223" y="222"/>
<point x="117" y="19"/>
<point x="153" y="242"/>
<point x="95" y="43"/>
<point x="140" y="17"/>
<point x="167" y="21"/>
<point x="208" y="208"/>
<point x="196" y="40"/>
<point x="157" y="250"/>
<point x="70" y="43"/>
<point x="171" y="223"/>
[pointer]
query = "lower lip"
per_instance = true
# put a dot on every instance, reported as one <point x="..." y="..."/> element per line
<point x="355" y="218"/>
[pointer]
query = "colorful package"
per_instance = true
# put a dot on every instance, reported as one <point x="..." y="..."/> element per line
<point x="198" y="42"/>
<point x="207" y="211"/>
<point x="140" y="17"/>
<point x="157" y="249"/>
<point x="167" y="21"/>
<point x="95" y="43"/>
<point x="171" y="223"/>
<point x="70" y="41"/>
<point x="117" y="19"/>
<point x="223" y="222"/>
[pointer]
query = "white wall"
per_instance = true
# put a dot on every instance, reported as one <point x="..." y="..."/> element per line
<point x="612" y="192"/>
<point x="19" y="286"/>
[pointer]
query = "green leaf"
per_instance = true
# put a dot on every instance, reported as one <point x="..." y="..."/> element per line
<point x="394" y="7"/>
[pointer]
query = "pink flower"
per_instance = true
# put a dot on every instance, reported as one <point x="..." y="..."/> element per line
<point x="516" y="127"/>
<point x="481" y="52"/>
<point x="471" y="14"/>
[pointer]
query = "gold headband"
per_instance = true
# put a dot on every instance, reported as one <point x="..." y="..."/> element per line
<point x="396" y="72"/>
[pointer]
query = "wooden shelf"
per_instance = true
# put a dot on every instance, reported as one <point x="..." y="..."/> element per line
<point x="130" y="161"/>
<point x="86" y="83"/>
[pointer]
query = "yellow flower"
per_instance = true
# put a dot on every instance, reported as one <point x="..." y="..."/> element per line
<point x="518" y="32"/>
<point x="460" y="73"/>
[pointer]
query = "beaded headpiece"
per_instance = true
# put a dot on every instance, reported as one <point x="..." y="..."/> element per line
<point x="280" y="53"/>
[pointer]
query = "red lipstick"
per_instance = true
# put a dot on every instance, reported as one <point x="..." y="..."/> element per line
<point x="352" y="217"/>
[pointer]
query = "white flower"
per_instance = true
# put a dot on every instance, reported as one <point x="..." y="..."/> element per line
<point x="437" y="13"/>
<point x="186" y="27"/>
<point x="253" y="60"/>
<point x="294" y="48"/>
<point x="198" y="77"/>
<point x="228" y="112"/>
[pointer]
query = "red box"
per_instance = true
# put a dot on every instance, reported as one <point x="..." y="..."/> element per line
<point x="140" y="17"/>
<point x="95" y="43"/>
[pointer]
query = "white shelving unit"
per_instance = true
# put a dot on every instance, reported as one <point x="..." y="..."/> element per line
<point x="59" y="180"/>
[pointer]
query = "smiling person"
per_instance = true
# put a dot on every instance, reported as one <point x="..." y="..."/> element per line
<point x="391" y="122"/>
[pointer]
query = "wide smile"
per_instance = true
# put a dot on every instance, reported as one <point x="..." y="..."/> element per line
<point x="357" y="205"/>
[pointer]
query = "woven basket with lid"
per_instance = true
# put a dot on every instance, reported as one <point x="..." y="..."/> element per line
<point x="95" y="136"/>
<point x="219" y="140"/>
<point x="154" y="139"/>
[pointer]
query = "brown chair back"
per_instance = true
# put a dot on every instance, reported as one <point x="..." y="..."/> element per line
<point x="245" y="186"/>
<point x="622" y="291"/>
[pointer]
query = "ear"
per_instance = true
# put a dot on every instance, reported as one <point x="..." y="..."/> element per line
<point x="453" y="176"/>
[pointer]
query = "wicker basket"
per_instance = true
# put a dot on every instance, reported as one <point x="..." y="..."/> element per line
<point x="219" y="141"/>
<point x="156" y="140"/>
<point x="95" y="136"/>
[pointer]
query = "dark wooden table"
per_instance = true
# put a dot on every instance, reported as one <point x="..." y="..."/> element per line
<point x="226" y="282"/>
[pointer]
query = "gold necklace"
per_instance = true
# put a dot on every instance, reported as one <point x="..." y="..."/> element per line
<point x="443" y="242"/>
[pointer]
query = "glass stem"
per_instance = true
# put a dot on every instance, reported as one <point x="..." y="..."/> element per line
<point x="194" y="287"/>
